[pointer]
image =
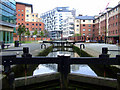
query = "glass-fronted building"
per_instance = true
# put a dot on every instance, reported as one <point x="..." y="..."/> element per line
<point x="7" y="20"/>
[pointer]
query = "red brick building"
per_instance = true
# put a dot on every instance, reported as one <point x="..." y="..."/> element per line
<point x="25" y="16"/>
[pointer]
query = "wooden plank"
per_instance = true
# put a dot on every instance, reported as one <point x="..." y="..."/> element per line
<point x="100" y="81"/>
<point x="19" y="82"/>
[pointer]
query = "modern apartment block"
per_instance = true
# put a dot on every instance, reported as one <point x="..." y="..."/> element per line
<point x="53" y="20"/>
<point x="68" y="27"/>
<point x="105" y="27"/>
<point x="25" y="16"/>
<point x="7" y="20"/>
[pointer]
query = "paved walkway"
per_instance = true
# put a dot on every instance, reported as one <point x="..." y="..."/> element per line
<point x="95" y="49"/>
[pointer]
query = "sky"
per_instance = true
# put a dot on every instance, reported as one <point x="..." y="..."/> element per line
<point x="84" y="7"/>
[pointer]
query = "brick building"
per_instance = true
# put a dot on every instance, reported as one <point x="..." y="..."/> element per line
<point x="25" y="16"/>
<point x="105" y="27"/>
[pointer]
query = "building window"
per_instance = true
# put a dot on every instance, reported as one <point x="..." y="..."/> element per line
<point x="18" y="23"/>
<point x="116" y="23"/>
<point x="22" y="19"/>
<point x="27" y="11"/>
<point x="89" y="34"/>
<point x="89" y="20"/>
<point x="39" y="28"/>
<point x="93" y="30"/>
<point x="36" y="28"/>
<point x="83" y="34"/>
<point x="116" y="32"/>
<point x="32" y="19"/>
<point x="36" y="24"/>
<point x="113" y="17"/>
<point x="78" y="21"/>
<point x="27" y="15"/>
<point x="83" y="25"/>
<point x="18" y="14"/>
<point x="116" y="16"/>
<point x="36" y="15"/>
<point x="77" y="25"/>
<point x="77" y="30"/>
<point x="116" y="9"/>
<point x="33" y="24"/>
<point x="27" y="24"/>
<point x="32" y="28"/>
<point x="22" y="14"/>
<point x="18" y="9"/>
<point x="89" y="29"/>
<point x="22" y="24"/>
<point x="27" y="19"/>
<point x="33" y="15"/>
<point x="89" y="25"/>
<point x="18" y="19"/>
<point x="83" y="29"/>
<point x="83" y="20"/>
<point x="39" y="24"/>
<point x="22" y="10"/>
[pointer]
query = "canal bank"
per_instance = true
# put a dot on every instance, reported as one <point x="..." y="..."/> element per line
<point x="94" y="50"/>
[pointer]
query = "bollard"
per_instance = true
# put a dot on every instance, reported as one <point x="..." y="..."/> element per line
<point x="64" y="69"/>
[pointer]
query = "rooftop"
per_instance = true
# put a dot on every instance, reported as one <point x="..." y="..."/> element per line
<point x="85" y="17"/>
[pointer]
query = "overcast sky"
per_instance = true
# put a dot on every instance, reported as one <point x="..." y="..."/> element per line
<point x="84" y="7"/>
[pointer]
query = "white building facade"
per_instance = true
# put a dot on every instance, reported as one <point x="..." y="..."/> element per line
<point x="54" y="20"/>
<point x="68" y="29"/>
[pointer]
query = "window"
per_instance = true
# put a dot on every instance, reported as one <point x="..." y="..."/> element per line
<point x="39" y="28"/>
<point x="89" y="34"/>
<point x="116" y="32"/>
<point x="113" y="17"/>
<point x="32" y="19"/>
<point x="27" y="24"/>
<point x="27" y="15"/>
<point x="18" y="19"/>
<point x="93" y="30"/>
<point x="18" y="9"/>
<point x="116" y="23"/>
<point x="83" y="34"/>
<point x="27" y="11"/>
<point x="83" y="20"/>
<point x="36" y="15"/>
<point x="83" y="29"/>
<point x="36" y="28"/>
<point x="33" y="24"/>
<point x="18" y="14"/>
<point x="22" y="10"/>
<point x="89" y="25"/>
<point x="36" y="24"/>
<point x="116" y="9"/>
<point x="39" y="24"/>
<point x="89" y="29"/>
<point x="22" y="19"/>
<point x="32" y="28"/>
<point x="27" y="19"/>
<point x="77" y="30"/>
<point x="18" y="23"/>
<point x="89" y="20"/>
<point x="77" y="25"/>
<point x="116" y="16"/>
<point x="22" y="14"/>
<point x="33" y="15"/>
<point x="84" y="25"/>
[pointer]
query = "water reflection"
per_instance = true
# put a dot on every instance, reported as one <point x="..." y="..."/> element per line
<point x="48" y="68"/>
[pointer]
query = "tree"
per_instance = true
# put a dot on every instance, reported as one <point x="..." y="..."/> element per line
<point x="27" y="33"/>
<point x="46" y="33"/>
<point x="41" y="33"/>
<point x="21" y="31"/>
<point x="35" y="32"/>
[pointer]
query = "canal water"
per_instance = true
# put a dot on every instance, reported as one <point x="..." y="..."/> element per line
<point x="49" y="68"/>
